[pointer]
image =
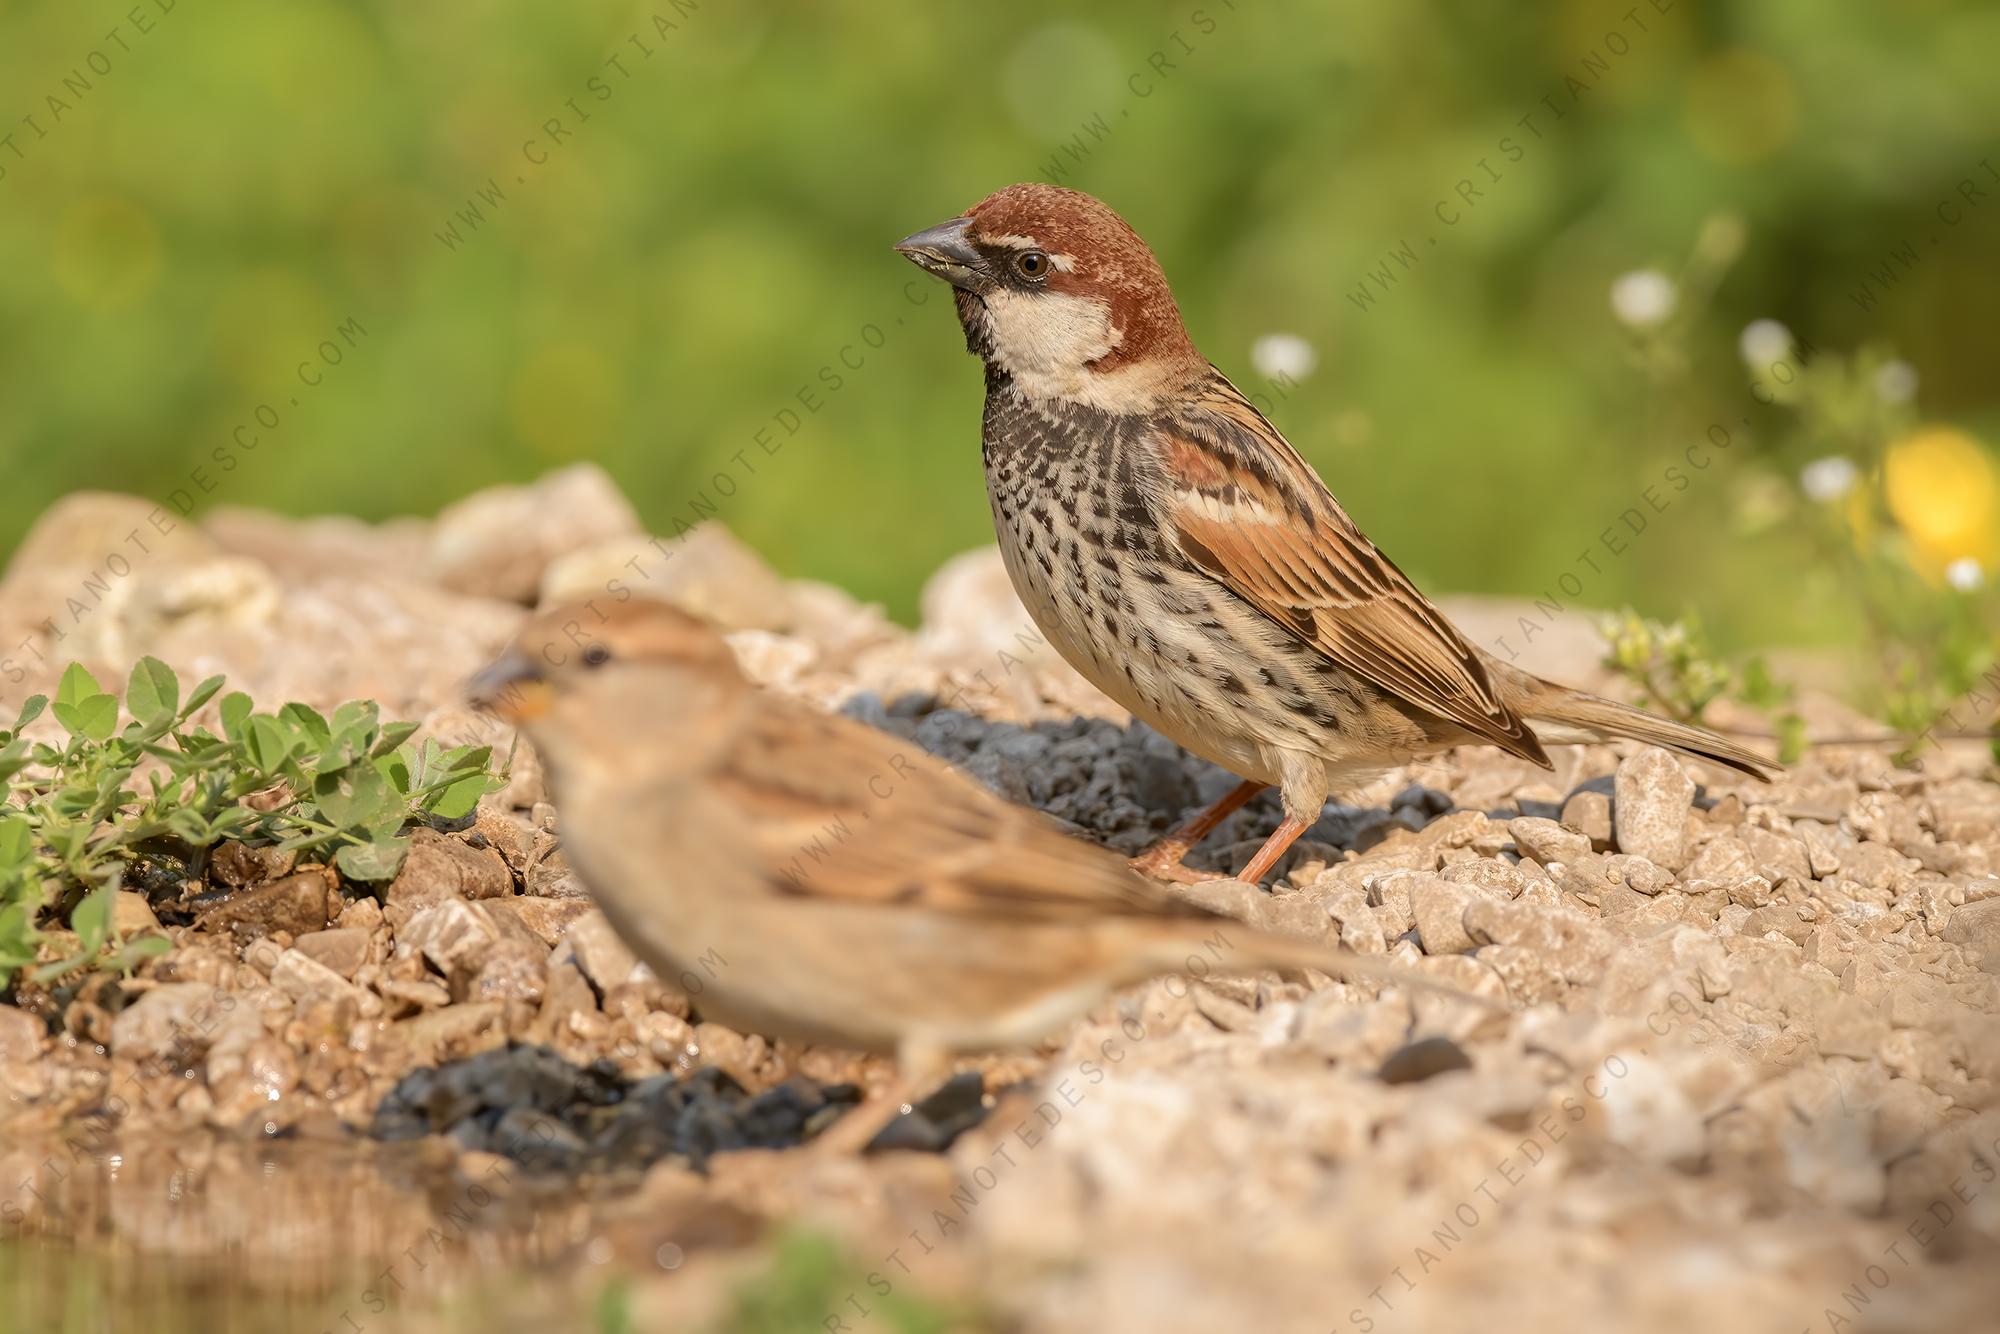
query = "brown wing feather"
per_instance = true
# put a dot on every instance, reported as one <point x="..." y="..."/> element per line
<point x="1245" y="507"/>
<point x="843" y="812"/>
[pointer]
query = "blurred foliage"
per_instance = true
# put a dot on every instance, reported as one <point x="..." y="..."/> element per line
<point x="1906" y="518"/>
<point x="1910" y="518"/>
<point x="808" y="1284"/>
<point x="1674" y="671"/>
<point x="1438" y="198"/>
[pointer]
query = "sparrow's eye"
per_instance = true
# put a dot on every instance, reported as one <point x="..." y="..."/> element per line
<point x="596" y="655"/>
<point x="1032" y="264"/>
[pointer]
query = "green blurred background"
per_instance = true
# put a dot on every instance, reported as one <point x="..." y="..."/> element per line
<point x="246" y="178"/>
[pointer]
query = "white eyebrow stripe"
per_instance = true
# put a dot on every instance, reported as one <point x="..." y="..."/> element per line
<point x="1062" y="263"/>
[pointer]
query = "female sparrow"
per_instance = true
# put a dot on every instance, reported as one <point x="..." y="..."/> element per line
<point x="1182" y="556"/>
<point x="845" y="887"/>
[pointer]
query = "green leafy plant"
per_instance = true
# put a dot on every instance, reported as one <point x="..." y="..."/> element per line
<point x="80" y="818"/>
<point x="1932" y="687"/>
<point x="808" y="1279"/>
<point x="1677" y="673"/>
<point x="1902" y="514"/>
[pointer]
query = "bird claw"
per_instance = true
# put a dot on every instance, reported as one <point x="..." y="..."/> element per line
<point x="1173" y="872"/>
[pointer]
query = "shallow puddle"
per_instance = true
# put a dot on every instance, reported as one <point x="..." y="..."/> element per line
<point x="220" y="1236"/>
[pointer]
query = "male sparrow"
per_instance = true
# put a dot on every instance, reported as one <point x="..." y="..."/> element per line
<point x="844" y="886"/>
<point x="1182" y="556"/>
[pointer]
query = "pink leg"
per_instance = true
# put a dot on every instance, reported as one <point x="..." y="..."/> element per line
<point x="1274" y="847"/>
<point x="1162" y="861"/>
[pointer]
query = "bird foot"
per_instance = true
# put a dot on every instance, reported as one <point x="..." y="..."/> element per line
<point x="1172" y="871"/>
<point x="850" y="1136"/>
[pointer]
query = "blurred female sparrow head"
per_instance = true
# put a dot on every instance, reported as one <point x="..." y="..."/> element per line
<point x="581" y="683"/>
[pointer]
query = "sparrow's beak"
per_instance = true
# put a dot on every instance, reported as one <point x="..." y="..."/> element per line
<point x="946" y="251"/>
<point x="511" y="686"/>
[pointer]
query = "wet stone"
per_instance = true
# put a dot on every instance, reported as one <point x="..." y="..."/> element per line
<point x="549" y="1114"/>
<point x="343" y="949"/>
<point x="238" y="865"/>
<point x="440" y="868"/>
<point x="21" y="1036"/>
<point x="931" y="1125"/>
<point x="1589" y="812"/>
<point x="296" y="904"/>
<point x="1120" y="786"/>
<point x="1424" y="1059"/>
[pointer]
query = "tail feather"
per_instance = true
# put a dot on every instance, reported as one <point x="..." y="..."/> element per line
<point x="1564" y="715"/>
<point x="1223" y="944"/>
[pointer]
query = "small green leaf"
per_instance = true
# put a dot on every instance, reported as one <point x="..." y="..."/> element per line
<point x="310" y="724"/>
<point x="31" y="710"/>
<point x="465" y="757"/>
<point x="424" y="765"/>
<point x="393" y="735"/>
<point x="17" y="842"/>
<point x="49" y="972"/>
<point x="356" y="715"/>
<point x="353" y="739"/>
<point x="153" y="692"/>
<point x="198" y="749"/>
<point x="339" y="753"/>
<point x="271" y="743"/>
<point x="203" y="693"/>
<point x="354" y="795"/>
<point x="92" y="919"/>
<point x="372" y="861"/>
<point x="396" y="766"/>
<point x="232" y="821"/>
<point x="458" y="799"/>
<point x="189" y="826"/>
<point x="76" y="685"/>
<point x="138" y="949"/>
<point x="94" y="717"/>
<point x="17" y="933"/>
<point x="235" y="707"/>
<point x="1791" y="731"/>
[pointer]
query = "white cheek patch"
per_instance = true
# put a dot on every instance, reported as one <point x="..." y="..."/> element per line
<point x="1043" y="338"/>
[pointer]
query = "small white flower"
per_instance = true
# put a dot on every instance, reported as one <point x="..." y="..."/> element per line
<point x="1642" y="298"/>
<point x="1896" y="382"/>
<point x="1283" y="354"/>
<point x="1765" y="343"/>
<point x="1965" y="575"/>
<point x="1829" y="478"/>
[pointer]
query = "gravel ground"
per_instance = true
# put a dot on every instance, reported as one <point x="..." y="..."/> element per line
<point x="1746" y="1079"/>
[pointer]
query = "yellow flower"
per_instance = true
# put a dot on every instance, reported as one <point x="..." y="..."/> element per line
<point x="1944" y="492"/>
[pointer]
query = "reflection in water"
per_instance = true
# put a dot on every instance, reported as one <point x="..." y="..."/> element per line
<point x="222" y="1236"/>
